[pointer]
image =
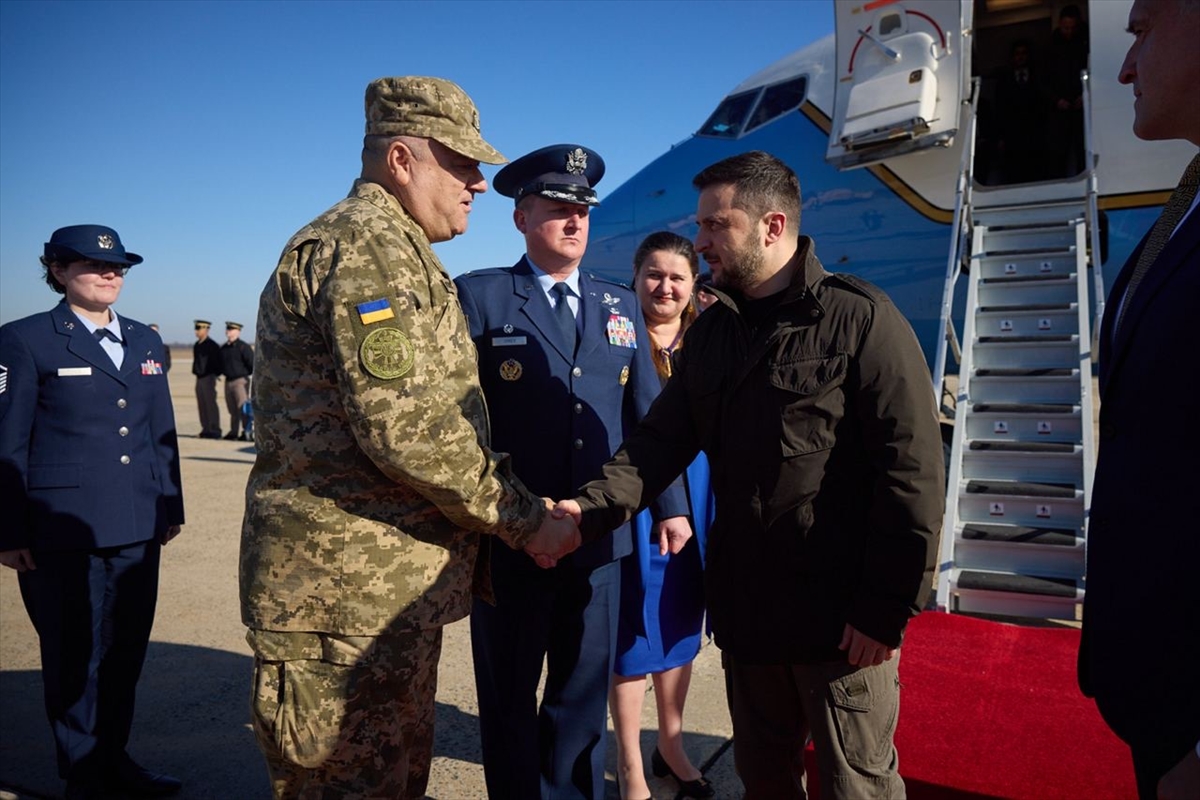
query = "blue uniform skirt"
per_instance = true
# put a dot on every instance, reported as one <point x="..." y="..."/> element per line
<point x="662" y="597"/>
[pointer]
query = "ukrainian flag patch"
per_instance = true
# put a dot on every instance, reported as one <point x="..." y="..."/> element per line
<point x="375" y="311"/>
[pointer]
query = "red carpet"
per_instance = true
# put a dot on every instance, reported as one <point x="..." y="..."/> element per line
<point x="990" y="710"/>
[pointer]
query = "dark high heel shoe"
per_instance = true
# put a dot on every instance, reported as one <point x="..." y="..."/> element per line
<point x="699" y="788"/>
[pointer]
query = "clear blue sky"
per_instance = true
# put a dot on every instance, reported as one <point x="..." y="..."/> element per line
<point x="206" y="133"/>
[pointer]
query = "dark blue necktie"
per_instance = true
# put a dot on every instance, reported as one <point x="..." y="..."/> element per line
<point x="104" y="333"/>
<point x="562" y="313"/>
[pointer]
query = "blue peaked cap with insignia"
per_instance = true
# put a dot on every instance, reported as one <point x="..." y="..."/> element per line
<point x="84" y="242"/>
<point x="567" y="172"/>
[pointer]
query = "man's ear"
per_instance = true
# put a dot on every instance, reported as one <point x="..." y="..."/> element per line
<point x="399" y="162"/>
<point x="776" y="222"/>
<point x="519" y="219"/>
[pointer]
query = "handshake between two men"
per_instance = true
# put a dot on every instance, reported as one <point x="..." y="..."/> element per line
<point x="559" y="535"/>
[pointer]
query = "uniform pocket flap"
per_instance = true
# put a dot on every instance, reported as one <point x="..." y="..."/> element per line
<point x="810" y="375"/>
<point x="852" y="692"/>
<point x="60" y="476"/>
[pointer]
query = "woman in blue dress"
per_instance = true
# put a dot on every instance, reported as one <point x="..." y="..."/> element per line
<point x="662" y="594"/>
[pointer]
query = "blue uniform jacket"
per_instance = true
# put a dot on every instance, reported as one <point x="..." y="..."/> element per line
<point x="88" y="453"/>
<point x="562" y="415"/>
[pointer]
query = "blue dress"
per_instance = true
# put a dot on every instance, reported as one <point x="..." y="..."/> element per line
<point x="662" y="597"/>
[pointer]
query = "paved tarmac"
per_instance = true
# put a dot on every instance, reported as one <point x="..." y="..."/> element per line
<point x="192" y="716"/>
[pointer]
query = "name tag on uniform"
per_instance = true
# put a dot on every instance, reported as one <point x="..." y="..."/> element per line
<point x="71" y="372"/>
<point x="507" y="341"/>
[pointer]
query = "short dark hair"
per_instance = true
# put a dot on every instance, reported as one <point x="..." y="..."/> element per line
<point x="1071" y="11"/>
<point x="48" y="275"/>
<point x="762" y="184"/>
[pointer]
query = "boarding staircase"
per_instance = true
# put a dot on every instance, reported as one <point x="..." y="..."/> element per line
<point x="1022" y="451"/>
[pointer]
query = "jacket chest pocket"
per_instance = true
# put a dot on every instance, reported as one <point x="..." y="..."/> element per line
<point x="811" y="401"/>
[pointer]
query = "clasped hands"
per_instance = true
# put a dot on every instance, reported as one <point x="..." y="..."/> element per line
<point x="559" y="533"/>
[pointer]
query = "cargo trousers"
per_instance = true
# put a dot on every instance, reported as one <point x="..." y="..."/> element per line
<point x="345" y="716"/>
<point x="850" y="713"/>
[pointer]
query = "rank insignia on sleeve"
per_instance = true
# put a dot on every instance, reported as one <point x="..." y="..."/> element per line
<point x="375" y="311"/>
<point x="511" y="370"/>
<point x="623" y="378"/>
<point x="3" y="378"/>
<point x="386" y="353"/>
<point x="151" y="367"/>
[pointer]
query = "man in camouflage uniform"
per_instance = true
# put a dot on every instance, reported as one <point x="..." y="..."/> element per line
<point x="374" y="478"/>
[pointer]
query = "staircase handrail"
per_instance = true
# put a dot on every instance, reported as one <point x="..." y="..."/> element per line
<point x="962" y="206"/>
<point x="1093" y="213"/>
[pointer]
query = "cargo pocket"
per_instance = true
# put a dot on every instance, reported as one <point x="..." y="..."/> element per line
<point x="865" y="711"/>
<point x="810" y="403"/>
<point x="310" y="710"/>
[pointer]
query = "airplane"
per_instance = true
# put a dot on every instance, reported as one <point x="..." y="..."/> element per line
<point x="890" y="123"/>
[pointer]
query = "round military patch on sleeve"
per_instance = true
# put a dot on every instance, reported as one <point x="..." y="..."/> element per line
<point x="386" y="353"/>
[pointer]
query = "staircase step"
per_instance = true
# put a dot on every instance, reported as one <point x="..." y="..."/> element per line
<point x="1022" y="584"/>
<point x="1030" y="307"/>
<point x="1024" y="422"/>
<point x="1024" y="408"/>
<point x="1021" y="372"/>
<point x="1021" y="489"/>
<point x="1023" y="290"/>
<point x="1023" y="447"/>
<point x="1022" y="534"/>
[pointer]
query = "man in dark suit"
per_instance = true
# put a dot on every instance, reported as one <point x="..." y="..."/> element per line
<point x="206" y="366"/>
<point x="89" y="484"/>
<point x="237" y="364"/>
<point x="566" y="369"/>
<point x="1140" y="652"/>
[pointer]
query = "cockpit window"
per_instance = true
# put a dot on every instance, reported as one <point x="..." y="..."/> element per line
<point x="726" y="122"/>
<point x="730" y="121"/>
<point x="777" y="101"/>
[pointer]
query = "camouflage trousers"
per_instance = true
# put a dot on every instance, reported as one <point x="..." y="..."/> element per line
<point x="345" y="717"/>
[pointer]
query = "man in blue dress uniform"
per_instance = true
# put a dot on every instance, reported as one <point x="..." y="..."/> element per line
<point x="566" y="371"/>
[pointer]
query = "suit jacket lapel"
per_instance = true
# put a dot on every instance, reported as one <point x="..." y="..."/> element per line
<point x="595" y="317"/>
<point x="536" y="307"/>
<point x="80" y="341"/>
<point x="1172" y="258"/>
<point x="137" y="350"/>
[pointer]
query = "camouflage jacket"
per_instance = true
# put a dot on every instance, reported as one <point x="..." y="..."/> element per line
<point x="374" y="477"/>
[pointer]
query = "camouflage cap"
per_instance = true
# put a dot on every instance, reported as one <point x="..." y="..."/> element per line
<point x="433" y="108"/>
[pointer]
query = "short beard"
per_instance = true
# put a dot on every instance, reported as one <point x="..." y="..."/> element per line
<point x="743" y="271"/>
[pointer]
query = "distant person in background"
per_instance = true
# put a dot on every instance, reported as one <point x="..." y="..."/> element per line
<point x="1066" y="58"/>
<point x="1140" y="651"/>
<point x="1022" y="102"/>
<point x="90" y="491"/>
<point x="237" y="363"/>
<point x="705" y="296"/>
<point x="206" y="366"/>
<point x="166" y="350"/>
<point x="662" y="593"/>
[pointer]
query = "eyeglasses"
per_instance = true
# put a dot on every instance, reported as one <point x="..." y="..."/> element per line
<point x="104" y="267"/>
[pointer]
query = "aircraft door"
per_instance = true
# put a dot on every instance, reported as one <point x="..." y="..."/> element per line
<point x="903" y="70"/>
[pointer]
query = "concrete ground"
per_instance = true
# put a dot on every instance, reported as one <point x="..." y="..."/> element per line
<point x="192" y="714"/>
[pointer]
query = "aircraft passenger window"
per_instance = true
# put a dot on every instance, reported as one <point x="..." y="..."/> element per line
<point x="890" y="24"/>
<point x="727" y="120"/>
<point x="777" y="101"/>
